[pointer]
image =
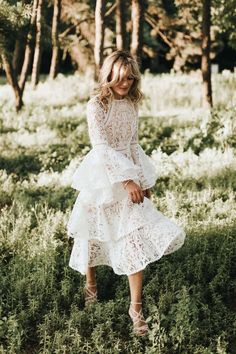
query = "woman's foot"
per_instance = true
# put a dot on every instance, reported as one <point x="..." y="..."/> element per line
<point x="90" y="294"/>
<point x="139" y="325"/>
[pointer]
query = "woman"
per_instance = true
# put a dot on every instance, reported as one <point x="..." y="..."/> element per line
<point x="113" y="221"/>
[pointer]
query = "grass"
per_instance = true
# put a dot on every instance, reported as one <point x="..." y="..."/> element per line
<point x="189" y="296"/>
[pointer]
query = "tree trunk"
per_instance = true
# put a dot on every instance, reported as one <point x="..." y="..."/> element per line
<point x="99" y="34"/>
<point x="55" y="39"/>
<point x="17" y="56"/>
<point x="137" y="16"/>
<point x="28" y="48"/>
<point x="206" y="63"/>
<point x="12" y="80"/>
<point x="38" y="46"/>
<point x="120" y="25"/>
<point x="18" y="51"/>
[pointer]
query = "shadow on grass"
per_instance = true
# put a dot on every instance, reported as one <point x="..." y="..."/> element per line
<point x="58" y="198"/>
<point x="21" y="164"/>
<point x="223" y="180"/>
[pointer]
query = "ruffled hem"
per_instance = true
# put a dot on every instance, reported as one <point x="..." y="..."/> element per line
<point x="148" y="173"/>
<point x="112" y="221"/>
<point x="131" y="253"/>
<point x="101" y="172"/>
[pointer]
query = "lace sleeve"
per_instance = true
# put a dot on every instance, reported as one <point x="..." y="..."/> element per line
<point x="95" y="119"/>
<point x="134" y="139"/>
<point x="147" y="172"/>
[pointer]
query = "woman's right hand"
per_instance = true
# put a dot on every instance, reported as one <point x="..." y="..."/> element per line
<point x="135" y="192"/>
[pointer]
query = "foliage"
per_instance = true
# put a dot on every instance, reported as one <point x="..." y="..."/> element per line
<point x="13" y="18"/>
<point x="172" y="32"/>
<point x="224" y="16"/>
<point x="189" y="296"/>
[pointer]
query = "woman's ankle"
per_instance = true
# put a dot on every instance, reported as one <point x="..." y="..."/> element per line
<point x="91" y="284"/>
<point x="136" y="305"/>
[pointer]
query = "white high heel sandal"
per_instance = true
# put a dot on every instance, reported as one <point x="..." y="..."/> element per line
<point x="89" y="296"/>
<point x="138" y="317"/>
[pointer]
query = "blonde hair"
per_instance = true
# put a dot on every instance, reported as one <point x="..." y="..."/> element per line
<point x="121" y="61"/>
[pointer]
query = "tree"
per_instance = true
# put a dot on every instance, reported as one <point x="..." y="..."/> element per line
<point x="120" y="25"/>
<point x="99" y="34"/>
<point x="205" y="63"/>
<point x="13" y="19"/>
<point x="17" y="56"/>
<point x="55" y="39"/>
<point x="12" y="79"/>
<point x="38" y="45"/>
<point x="18" y="49"/>
<point x="137" y="15"/>
<point x="29" y="47"/>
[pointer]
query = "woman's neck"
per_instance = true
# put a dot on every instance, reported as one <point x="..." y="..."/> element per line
<point x="118" y="97"/>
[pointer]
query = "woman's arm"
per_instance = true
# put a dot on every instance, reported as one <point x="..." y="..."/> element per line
<point x="95" y="119"/>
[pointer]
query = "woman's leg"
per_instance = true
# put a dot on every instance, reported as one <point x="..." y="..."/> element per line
<point x="90" y="289"/>
<point x="135" y="284"/>
<point x="91" y="277"/>
<point x="135" y="311"/>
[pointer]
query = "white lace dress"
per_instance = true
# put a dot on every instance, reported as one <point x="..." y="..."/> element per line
<point x="107" y="227"/>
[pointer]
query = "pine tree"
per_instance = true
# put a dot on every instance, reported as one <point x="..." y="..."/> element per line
<point x="13" y="19"/>
<point x="120" y="25"/>
<point x="29" y="47"/>
<point x="38" y="45"/>
<point x="137" y="14"/>
<point x="55" y="39"/>
<point x="99" y="34"/>
<point x="206" y="63"/>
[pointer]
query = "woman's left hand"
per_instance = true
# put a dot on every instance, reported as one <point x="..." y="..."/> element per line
<point x="147" y="193"/>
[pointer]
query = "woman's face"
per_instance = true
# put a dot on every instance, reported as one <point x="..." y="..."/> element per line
<point x="122" y="88"/>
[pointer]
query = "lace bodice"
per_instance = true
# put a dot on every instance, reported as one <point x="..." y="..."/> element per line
<point x="117" y="127"/>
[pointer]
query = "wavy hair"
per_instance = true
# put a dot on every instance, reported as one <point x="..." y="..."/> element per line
<point x="118" y="62"/>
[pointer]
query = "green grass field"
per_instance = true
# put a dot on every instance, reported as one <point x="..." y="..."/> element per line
<point x="189" y="296"/>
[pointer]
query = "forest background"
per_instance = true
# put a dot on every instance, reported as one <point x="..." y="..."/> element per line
<point x="50" y="54"/>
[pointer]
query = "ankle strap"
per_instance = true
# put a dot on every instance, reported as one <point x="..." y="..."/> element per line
<point x="88" y="284"/>
<point x="135" y="303"/>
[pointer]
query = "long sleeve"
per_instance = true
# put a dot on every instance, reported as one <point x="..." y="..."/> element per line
<point x="147" y="172"/>
<point x="100" y="174"/>
<point x="96" y="127"/>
